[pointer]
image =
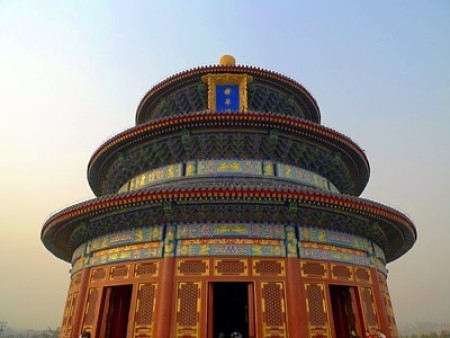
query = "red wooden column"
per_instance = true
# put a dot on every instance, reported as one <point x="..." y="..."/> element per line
<point x="297" y="327"/>
<point x="81" y="300"/>
<point x="163" y="315"/>
<point x="164" y="297"/>
<point x="383" y="319"/>
<point x="295" y="289"/>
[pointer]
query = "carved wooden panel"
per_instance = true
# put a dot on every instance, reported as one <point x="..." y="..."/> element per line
<point x="188" y="310"/>
<point x="389" y="309"/>
<point x="193" y="267"/>
<point x="145" y="310"/>
<point x="266" y="267"/>
<point x="119" y="272"/>
<point x="318" y="323"/>
<point x="231" y="267"/>
<point x="313" y="269"/>
<point x="76" y="280"/>
<point x="273" y="309"/>
<point x="362" y="275"/>
<point x="66" y="327"/>
<point x="148" y="269"/>
<point x="98" y="274"/>
<point x="91" y="309"/>
<point x="341" y="272"/>
<point x="369" y="308"/>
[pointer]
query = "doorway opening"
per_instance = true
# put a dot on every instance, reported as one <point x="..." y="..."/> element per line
<point x="230" y="309"/>
<point x="346" y="309"/>
<point x="114" y="311"/>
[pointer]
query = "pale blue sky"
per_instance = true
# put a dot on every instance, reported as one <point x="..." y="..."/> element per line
<point x="73" y="73"/>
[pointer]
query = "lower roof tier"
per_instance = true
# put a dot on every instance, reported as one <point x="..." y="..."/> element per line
<point x="233" y="200"/>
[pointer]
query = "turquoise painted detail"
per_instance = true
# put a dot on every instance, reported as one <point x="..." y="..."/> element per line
<point x="268" y="168"/>
<point x="328" y="245"/>
<point x="291" y="241"/>
<point x="379" y="253"/>
<point x="333" y="255"/>
<point x="232" y="249"/>
<point x="379" y="265"/>
<point x="342" y="239"/>
<point x="169" y="241"/>
<point x="304" y="176"/>
<point x="139" y="235"/>
<point x="229" y="239"/>
<point x="153" y="176"/>
<point x="229" y="167"/>
<point x="126" y="255"/>
<point x="230" y="230"/>
<point x="79" y="252"/>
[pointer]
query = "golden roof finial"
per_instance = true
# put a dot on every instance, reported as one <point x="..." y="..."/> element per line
<point x="227" y="60"/>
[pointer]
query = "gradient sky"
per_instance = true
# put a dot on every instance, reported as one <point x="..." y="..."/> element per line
<point x="73" y="73"/>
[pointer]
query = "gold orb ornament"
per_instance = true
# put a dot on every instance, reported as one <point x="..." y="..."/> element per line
<point x="227" y="60"/>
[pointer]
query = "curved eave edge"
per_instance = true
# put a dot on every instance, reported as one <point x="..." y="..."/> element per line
<point x="338" y="202"/>
<point x="255" y="71"/>
<point x="208" y="118"/>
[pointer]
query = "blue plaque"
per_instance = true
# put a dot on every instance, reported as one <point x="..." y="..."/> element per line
<point x="227" y="98"/>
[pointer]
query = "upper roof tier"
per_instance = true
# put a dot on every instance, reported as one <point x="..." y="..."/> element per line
<point x="228" y="112"/>
<point x="267" y="91"/>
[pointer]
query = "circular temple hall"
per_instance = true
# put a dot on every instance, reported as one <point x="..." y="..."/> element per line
<point x="228" y="208"/>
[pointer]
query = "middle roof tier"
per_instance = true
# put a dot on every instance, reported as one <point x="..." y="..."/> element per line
<point x="254" y="136"/>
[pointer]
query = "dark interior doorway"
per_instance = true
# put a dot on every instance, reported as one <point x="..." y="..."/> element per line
<point x="231" y="309"/>
<point x="346" y="310"/>
<point x="114" y="311"/>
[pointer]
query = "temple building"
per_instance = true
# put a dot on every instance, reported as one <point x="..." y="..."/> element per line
<point x="228" y="208"/>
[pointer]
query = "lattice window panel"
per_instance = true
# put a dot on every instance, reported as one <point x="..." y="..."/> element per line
<point x="369" y="307"/>
<point x="310" y="269"/>
<point x="383" y="283"/>
<point x="362" y="275"/>
<point x="76" y="280"/>
<point x="146" y="269"/>
<point x="98" y="274"/>
<point x="341" y="272"/>
<point x="66" y="312"/>
<point x="234" y="267"/>
<point x="91" y="307"/>
<point x="193" y="267"/>
<point x="188" y="309"/>
<point x="66" y="327"/>
<point x="390" y="315"/>
<point x="118" y="272"/>
<point x="316" y="310"/>
<point x="145" y="310"/>
<point x="388" y="304"/>
<point x="273" y="309"/>
<point x="268" y="268"/>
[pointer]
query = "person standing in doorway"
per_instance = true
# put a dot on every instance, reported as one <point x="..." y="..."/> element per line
<point x="353" y="334"/>
<point x="380" y="334"/>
